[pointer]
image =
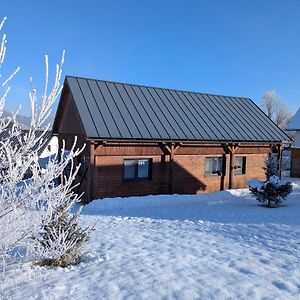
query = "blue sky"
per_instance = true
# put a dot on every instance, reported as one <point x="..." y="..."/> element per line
<point x="240" y="47"/>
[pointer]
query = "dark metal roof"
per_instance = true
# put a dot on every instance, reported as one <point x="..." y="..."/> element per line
<point x="119" y="111"/>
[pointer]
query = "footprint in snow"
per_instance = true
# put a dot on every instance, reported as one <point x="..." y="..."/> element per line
<point x="280" y="285"/>
<point x="264" y="261"/>
<point x="245" y="271"/>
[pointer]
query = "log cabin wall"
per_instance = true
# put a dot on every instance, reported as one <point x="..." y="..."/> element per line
<point x="68" y="125"/>
<point x="83" y="179"/>
<point x="188" y="169"/>
<point x="295" y="158"/>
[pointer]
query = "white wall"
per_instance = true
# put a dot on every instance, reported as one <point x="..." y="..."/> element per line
<point x="297" y="139"/>
<point x="51" y="148"/>
<point x="294" y="124"/>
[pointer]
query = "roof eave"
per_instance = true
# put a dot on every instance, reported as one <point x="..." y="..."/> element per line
<point x="293" y="129"/>
<point x="185" y="141"/>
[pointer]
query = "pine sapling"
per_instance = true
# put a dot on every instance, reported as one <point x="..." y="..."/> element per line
<point x="272" y="191"/>
<point x="271" y="166"/>
<point x="61" y="240"/>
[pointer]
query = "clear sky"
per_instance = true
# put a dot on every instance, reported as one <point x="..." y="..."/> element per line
<point x="232" y="47"/>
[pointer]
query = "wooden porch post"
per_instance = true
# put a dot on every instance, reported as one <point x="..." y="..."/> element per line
<point x="94" y="146"/>
<point x="173" y="148"/>
<point x="171" y="159"/>
<point x="170" y="150"/>
<point x="232" y="149"/>
<point x="279" y="149"/>
<point x="92" y="176"/>
<point x="279" y="158"/>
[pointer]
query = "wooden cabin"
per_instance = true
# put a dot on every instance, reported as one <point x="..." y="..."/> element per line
<point x="145" y="140"/>
<point x="294" y="125"/>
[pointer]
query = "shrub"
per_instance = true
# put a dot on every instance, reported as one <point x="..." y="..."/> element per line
<point x="30" y="207"/>
<point x="61" y="240"/>
<point x="272" y="191"/>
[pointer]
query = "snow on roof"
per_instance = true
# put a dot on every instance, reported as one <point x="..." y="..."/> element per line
<point x="294" y="124"/>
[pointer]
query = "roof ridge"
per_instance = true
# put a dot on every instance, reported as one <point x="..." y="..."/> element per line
<point x="157" y="87"/>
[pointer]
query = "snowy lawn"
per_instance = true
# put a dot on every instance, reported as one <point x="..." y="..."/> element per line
<point x="217" y="246"/>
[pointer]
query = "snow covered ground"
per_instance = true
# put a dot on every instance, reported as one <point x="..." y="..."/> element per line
<point x="217" y="246"/>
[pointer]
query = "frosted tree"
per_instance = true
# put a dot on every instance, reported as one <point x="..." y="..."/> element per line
<point x="60" y="240"/>
<point x="28" y="206"/>
<point x="276" y="109"/>
<point x="272" y="191"/>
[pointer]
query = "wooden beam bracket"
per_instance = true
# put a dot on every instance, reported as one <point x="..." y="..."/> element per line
<point x="99" y="144"/>
<point x="230" y="148"/>
<point x="170" y="148"/>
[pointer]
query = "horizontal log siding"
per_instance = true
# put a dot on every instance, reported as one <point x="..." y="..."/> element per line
<point x="153" y="149"/>
<point x="188" y="169"/>
<point x="109" y="178"/>
<point x="295" y="168"/>
<point x="189" y="175"/>
<point x="254" y="169"/>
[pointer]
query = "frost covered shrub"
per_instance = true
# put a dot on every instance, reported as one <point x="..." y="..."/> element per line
<point x="28" y="207"/>
<point x="272" y="191"/>
<point x="61" y="240"/>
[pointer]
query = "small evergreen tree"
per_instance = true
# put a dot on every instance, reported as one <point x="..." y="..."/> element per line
<point x="61" y="240"/>
<point x="271" y="166"/>
<point x="272" y="191"/>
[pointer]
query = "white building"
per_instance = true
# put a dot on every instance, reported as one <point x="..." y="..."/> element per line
<point x="294" y="125"/>
<point x="51" y="147"/>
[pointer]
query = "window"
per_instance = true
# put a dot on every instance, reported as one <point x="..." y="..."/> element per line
<point x="137" y="169"/>
<point x="214" y="166"/>
<point x="240" y="165"/>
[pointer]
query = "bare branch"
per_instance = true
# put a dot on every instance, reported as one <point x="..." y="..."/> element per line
<point x="28" y="205"/>
<point x="276" y="109"/>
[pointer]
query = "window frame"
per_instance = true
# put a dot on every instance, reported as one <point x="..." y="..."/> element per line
<point x="136" y="178"/>
<point x="243" y="167"/>
<point x="223" y="166"/>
